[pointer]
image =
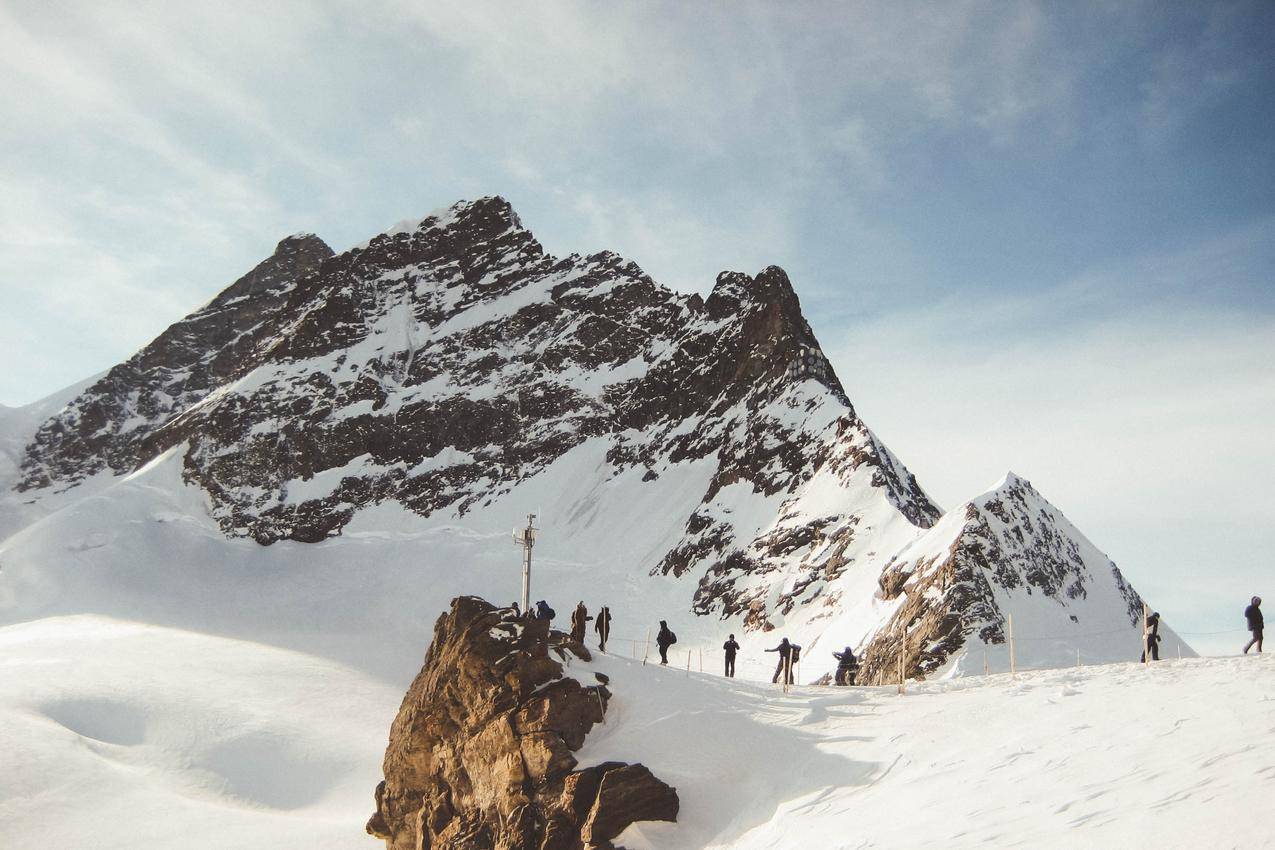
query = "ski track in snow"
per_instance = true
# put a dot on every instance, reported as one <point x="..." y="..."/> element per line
<point x="210" y="742"/>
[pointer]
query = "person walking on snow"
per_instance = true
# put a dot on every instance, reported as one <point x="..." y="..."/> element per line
<point x="664" y="640"/>
<point x="730" y="647"/>
<point x="785" y="652"/>
<point x="1253" y="613"/>
<point x="603" y="627"/>
<point x="543" y="611"/>
<point x="847" y="666"/>
<point x="1153" y="638"/>
<point x="579" y="622"/>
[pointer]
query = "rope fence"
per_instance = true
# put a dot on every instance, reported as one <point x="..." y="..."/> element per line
<point x="750" y="667"/>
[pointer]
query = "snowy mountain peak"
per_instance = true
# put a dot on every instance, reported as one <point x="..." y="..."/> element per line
<point x="1008" y="482"/>
<point x="1006" y="552"/>
<point x="699" y="455"/>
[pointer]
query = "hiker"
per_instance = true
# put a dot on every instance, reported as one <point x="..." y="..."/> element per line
<point x="730" y="647"/>
<point x="603" y="627"/>
<point x="664" y="640"/>
<point x="785" y="653"/>
<point x="517" y="610"/>
<point x="579" y="622"/>
<point x="1153" y="638"/>
<point x="847" y="667"/>
<point x="544" y="612"/>
<point x="1253" y="613"/>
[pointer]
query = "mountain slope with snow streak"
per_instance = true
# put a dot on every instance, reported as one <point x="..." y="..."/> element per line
<point x="367" y="427"/>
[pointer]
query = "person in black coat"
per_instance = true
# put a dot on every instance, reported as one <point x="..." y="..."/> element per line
<point x="1253" y="614"/>
<point x="847" y="666"/>
<point x="579" y="622"/>
<point x="603" y="627"/>
<point x="1153" y="638"/>
<point x="730" y="648"/>
<point x="664" y="640"/>
<point x="785" y="652"/>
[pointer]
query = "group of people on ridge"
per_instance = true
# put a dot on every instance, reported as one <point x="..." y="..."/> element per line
<point x="847" y="663"/>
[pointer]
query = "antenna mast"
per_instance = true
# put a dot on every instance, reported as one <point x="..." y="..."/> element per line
<point x="526" y="538"/>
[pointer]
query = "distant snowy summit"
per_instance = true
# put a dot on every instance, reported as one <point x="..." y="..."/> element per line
<point x="449" y="364"/>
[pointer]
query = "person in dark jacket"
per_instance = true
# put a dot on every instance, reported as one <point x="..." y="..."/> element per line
<point x="603" y="627"/>
<point x="730" y="648"/>
<point x="664" y="640"/>
<point x="847" y="666"/>
<point x="579" y="622"/>
<point x="1253" y="614"/>
<point x="544" y="612"/>
<point x="785" y="652"/>
<point x="1153" y="638"/>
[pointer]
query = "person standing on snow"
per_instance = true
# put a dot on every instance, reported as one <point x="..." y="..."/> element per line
<point x="579" y="622"/>
<point x="664" y="640"/>
<point x="1253" y="613"/>
<point x="1153" y="638"/>
<point x="847" y="666"/>
<point x="785" y="652"/>
<point x="603" y="627"/>
<point x="730" y="648"/>
<point x="543" y="611"/>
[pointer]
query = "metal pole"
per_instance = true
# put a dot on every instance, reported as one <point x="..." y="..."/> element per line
<point x="527" y="539"/>
<point x="1146" y="643"/>
<point x="1013" y="668"/>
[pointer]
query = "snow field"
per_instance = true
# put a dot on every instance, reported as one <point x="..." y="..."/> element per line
<point x="124" y="735"/>
<point x="1179" y="754"/>
<point x="119" y="735"/>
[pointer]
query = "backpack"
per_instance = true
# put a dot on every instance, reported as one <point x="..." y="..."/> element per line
<point x="672" y="637"/>
<point x="796" y="653"/>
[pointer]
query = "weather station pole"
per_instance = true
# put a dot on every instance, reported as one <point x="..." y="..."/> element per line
<point x="526" y="538"/>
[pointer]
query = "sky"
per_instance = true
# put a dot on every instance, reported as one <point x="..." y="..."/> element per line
<point x="1030" y="236"/>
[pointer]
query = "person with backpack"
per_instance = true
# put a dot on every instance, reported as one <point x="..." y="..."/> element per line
<point x="784" y="668"/>
<point x="1253" y="614"/>
<point x="847" y="667"/>
<point x="544" y="612"/>
<point x="1152" y="638"/>
<point x="603" y="627"/>
<point x="664" y="640"/>
<point x="730" y="648"/>
<point x="579" y="622"/>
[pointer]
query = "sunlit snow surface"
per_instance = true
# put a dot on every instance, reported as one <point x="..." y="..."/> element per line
<point x="122" y="735"/>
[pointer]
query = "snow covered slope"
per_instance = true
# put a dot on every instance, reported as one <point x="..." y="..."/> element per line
<point x="1007" y="554"/>
<point x="336" y="445"/>
<point x="117" y="735"/>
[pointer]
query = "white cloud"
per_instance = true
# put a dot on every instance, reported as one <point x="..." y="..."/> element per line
<point x="1147" y="422"/>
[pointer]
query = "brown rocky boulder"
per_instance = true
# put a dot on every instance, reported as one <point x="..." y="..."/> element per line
<point x="481" y="753"/>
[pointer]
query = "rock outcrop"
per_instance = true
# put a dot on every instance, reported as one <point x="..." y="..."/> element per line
<point x="481" y="753"/>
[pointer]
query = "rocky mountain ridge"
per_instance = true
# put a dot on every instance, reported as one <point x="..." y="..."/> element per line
<point x="452" y="367"/>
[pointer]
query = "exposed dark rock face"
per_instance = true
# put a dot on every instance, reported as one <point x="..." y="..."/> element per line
<point x="448" y="361"/>
<point x="443" y="363"/>
<point x="109" y="425"/>
<point x="1011" y="539"/>
<point x="481" y="753"/>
